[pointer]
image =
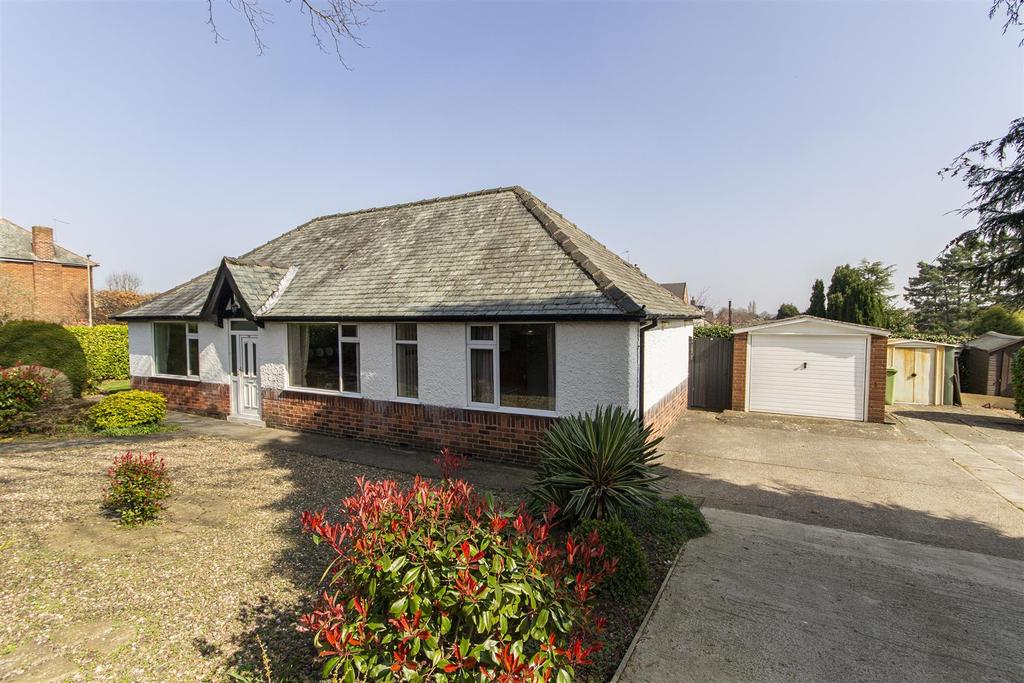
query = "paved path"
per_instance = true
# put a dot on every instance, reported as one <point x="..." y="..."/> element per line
<point x="769" y="600"/>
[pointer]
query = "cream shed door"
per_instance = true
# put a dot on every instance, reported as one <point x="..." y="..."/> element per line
<point x="915" y="374"/>
<point x="808" y="374"/>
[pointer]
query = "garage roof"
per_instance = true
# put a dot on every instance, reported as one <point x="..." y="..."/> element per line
<point x="803" y="320"/>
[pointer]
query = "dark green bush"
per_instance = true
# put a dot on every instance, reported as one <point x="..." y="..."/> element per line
<point x="596" y="466"/>
<point x="136" y="485"/>
<point x="106" y="350"/>
<point x="669" y="522"/>
<point x="1017" y="378"/>
<point x="128" y="412"/>
<point x="631" y="577"/>
<point x="30" y="342"/>
<point x="713" y="331"/>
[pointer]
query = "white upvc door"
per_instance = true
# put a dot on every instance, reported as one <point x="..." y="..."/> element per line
<point x="245" y="384"/>
<point x="808" y="374"/>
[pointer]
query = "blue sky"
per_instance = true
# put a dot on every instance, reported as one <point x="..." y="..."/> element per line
<point x="746" y="148"/>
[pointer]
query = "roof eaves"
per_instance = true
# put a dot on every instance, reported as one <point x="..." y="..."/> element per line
<point x="804" y="317"/>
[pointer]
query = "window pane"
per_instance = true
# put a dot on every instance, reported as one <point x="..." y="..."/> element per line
<point x="243" y="325"/>
<point x="234" y="355"/>
<point x="349" y="330"/>
<point x="481" y="333"/>
<point x="170" y="348"/>
<point x="405" y="331"/>
<point x="527" y="366"/>
<point x="481" y="369"/>
<point x="193" y="328"/>
<point x="313" y="356"/>
<point x="193" y="357"/>
<point x="407" y="367"/>
<point x="350" y="366"/>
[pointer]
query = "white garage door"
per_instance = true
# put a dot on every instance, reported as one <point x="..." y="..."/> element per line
<point x="817" y="375"/>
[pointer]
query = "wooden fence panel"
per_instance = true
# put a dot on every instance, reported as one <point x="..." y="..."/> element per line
<point x="710" y="383"/>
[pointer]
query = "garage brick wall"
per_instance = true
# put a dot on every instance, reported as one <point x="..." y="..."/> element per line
<point x="739" y="371"/>
<point x="876" y="379"/>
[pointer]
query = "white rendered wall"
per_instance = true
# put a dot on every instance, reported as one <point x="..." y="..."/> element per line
<point x="595" y="362"/>
<point x="666" y="360"/>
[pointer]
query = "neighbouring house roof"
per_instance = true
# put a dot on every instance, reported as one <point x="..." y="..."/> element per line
<point x="16" y="245"/>
<point x="679" y="289"/>
<point x="804" y="319"/>
<point x="499" y="253"/>
<point x="993" y="341"/>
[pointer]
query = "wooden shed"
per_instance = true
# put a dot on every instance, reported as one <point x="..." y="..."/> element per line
<point x="924" y="371"/>
<point x="986" y="363"/>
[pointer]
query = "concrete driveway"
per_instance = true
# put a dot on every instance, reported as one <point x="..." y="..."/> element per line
<point x="844" y="551"/>
<point x="945" y="476"/>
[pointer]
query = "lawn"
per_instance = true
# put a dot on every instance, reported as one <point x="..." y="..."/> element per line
<point x="186" y="597"/>
<point x="112" y="386"/>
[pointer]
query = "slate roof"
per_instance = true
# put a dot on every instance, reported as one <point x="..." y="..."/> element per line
<point x="498" y="253"/>
<point x="16" y="244"/>
<point x="257" y="282"/>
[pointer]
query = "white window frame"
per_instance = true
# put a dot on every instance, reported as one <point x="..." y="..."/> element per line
<point x="495" y="359"/>
<point x="407" y="342"/>
<point x="326" y="392"/>
<point x="188" y="352"/>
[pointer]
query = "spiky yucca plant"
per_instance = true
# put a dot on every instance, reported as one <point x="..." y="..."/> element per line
<point x="594" y="466"/>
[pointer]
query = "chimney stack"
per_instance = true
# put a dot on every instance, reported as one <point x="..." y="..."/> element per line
<point x="42" y="242"/>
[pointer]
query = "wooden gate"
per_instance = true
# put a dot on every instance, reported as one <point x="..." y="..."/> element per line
<point x="710" y="373"/>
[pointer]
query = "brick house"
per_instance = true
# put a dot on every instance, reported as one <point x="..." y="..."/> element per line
<point x="470" y="321"/>
<point x="39" y="279"/>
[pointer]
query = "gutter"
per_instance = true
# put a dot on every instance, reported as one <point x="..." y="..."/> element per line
<point x="640" y="370"/>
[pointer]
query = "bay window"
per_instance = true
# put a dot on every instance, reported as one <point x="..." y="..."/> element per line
<point x="176" y="349"/>
<point x="512" y="365"/>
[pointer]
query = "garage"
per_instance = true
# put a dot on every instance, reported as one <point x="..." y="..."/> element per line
<point x="812" y="367"/>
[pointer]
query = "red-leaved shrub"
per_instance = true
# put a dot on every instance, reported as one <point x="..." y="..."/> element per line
<point x="23" y="388"/>
<point x="435" y="583"/>
<point x="137" y="485"/>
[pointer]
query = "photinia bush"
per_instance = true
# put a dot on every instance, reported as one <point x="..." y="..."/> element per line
<point x="137" y="484"/>
<point x="434" y="583"/>
<point x="23" y="388"/>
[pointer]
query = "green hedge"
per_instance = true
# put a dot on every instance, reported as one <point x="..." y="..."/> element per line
<point x="31" y="342"/>
<point x="106" y="350"/>
<point x="713" y="331"/>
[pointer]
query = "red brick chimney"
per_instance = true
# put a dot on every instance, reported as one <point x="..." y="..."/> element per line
<point x="42" y="242"/>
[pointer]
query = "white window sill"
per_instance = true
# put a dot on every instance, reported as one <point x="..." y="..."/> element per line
<point x="186" y="378"/>
<point x="323" y="392"/>
<point x="406" y="399"/>
<point x="491" y="408"/>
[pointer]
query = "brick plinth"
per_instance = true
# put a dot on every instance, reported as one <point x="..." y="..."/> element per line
<point x="739" y="371"/>
<point x="668" y="409"/>
<point x="500" y="437"/>
<point x="876" y="379"/>
<point x="202" y="398"/>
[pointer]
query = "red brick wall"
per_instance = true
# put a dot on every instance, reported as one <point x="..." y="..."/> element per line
<point x="481" y="434"/>
<point x="876" y="379"/>
<point x="203" y="398"/>
<point x="44" y="291"/>
<point x="663" y="413"/>
<point x="739" y="371"/>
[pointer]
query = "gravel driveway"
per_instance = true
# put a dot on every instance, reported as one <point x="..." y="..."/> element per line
<point x="179" y="600"/>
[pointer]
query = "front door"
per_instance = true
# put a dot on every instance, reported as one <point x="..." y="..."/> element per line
<point x="245" y="385"/>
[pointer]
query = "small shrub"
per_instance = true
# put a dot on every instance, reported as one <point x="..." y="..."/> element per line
<point x="23" y="389"/>
<point x="669" y="522"/>
<point x="128" y="412"/>
<point x="137" y="485"/>
<point x="596" y="466"/>
<point x="29" y="342"/>
<point x="106" y="351"/>
<point x="434" y="583"/>
<point x="713" y="331"/>
<point x="621" y="544"/>
<point x="1017" y="379"/>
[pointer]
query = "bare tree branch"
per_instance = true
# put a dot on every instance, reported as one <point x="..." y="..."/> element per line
<point x="332" y="23"/>
<point x="1013" y="9"/>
